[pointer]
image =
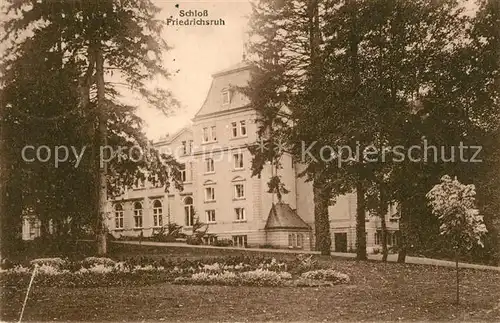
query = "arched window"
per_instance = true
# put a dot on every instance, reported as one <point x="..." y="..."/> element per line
<point x="157" y="213"/>
<point x="138" y="215"/>
<point x="118" y="216"/>
<point x="189" y="211"/>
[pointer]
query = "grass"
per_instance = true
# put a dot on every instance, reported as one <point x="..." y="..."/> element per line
<point x="378" y="291"/>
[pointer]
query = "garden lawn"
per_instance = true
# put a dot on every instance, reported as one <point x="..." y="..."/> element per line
<point x="377" y="291"/>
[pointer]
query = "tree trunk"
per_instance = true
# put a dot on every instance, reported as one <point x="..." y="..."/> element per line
<point x="458" y="276"/>
<point x="321" y="218"/>
<point x="382" y="213"/>
<point x="403" y="229"/>
<point x="320" y="190"/>
<point x="102" y="139"/>
<point x="360" y="222"/>
<point x="3" y="177"/>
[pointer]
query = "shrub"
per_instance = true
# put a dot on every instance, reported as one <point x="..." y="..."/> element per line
<point x="304" y="263"/>
<point x="93" y="261"/>
<point x="330" y="275"/>
<point x="263" y="277"/>
<point x="52" y="262"/>
<point x="258" y="277"/>
<point x="194" y="240"/>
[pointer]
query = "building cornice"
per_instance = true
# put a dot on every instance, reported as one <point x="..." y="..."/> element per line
<point x="222" y="113"/>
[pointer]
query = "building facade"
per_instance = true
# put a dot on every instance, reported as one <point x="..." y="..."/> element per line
<point x="219" y="190"/>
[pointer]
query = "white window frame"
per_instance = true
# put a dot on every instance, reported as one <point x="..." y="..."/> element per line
<point x="209" y="165"/>
<point x="226" y="97"/>
<point x="189" y="213"/>
<point x="243" y="128"/>
<point x="213" y="133"/>
<point x="157" y="214"/>
<point x="240" y="240"/>
<point x="206" y="135"/>
<point x="238" y="161"/>
<point x="210" y="215"/>
<point x="240" y="214"/>
<point x="236" y="195"/>
<point x="183" y="172"/>
<point x="190" y="146"/>
<point x="138" y="216"/>
<point x="119" y="217"/>
<point x="295" y="240"/>
<point x="210" y="198"/>
<point x="234" y="129"/>
<point x="184" y="147"/>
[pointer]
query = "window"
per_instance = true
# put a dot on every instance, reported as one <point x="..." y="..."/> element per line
<point x="190" y="147"/>
<point x="32" y="226"/>
<point x="239" y="191"/>
<point x="240" y="241"/>
<point x="183" y="172"/>
<point x="137" y="215"/>
<point x="300" y="240"/>
<point x="209" y="134"/>
<point x="378" y="237"/>
<point x="295" y="240"/>
<point x="139" y="184"/>
<point x="213" y="133"/>
<point x="118" y="216"/>
<point x="243" y="128"/>
<point x="210" y="216"/>
<point x="234" y="129"/>
<point x="209" y="165"/>
<point x="210" y="240"/>
<point x="238" y="161"/>
<point x="205" y="135"/>
<point x="209" y="194"/>
<point x="240" y="214"/>
<point x="394" y="238"/>
<point x="189" y="211"/>
<point x="184" y="148"/>
<point x="226" y="97"/>
<point x="157" y="214"/>
<point x="393" y="212"/>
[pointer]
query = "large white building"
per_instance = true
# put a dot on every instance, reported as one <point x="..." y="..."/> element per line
<point x="220" y="191"/>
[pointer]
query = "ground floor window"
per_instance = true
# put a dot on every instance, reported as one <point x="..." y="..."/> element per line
<point x="188" y="211"/>
<point x="157" y="213"/>
<point x="138" y="215"/>
<point x="210" y="240"/>
<point x="296" y="240"/>
<point x="391" y="238"/>
<point x="118" y="216"/>
<point x="240" y="241"/>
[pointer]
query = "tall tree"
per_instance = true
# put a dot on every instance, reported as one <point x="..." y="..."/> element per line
<point x="101" y="38"/>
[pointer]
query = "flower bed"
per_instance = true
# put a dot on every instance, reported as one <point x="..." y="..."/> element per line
<point x="231" y="271"/>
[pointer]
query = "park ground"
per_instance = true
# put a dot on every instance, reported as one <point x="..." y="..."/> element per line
<point x="377" y="292"/>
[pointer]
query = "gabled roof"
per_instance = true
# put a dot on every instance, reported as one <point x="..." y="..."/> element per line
<point x="281" y="216"/>
<point x="171" y="138"/>
<point x="235" y="76"/>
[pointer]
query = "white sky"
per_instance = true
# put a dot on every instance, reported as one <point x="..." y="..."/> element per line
<point x="198" y="52"/>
